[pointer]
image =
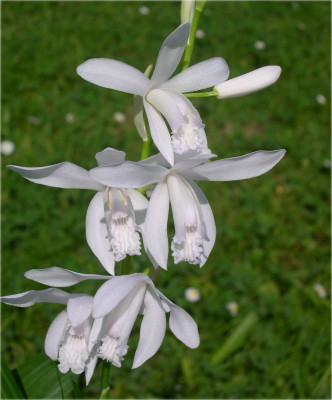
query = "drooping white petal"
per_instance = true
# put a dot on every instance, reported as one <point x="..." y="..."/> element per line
<point x="96" y="332"/>
<point x="64" y="175"/>
<point x="110" y="156"/>
<point x="59" y="277"/>
<point x="159" y="132"/>
<point x="209" y="223"/>
<point x="182" y="324"/>
<point x="91" y="365"/>
<point x="79" y="309"/>
<point x="27" y="299"/>
<point x="128" y="175"/>
<point x="184" y="162"/>
<point x="251" y="82"/>
<point x="169" y="105"/>
<point x="97" y="234"/>
<point x="170" y="54"/>
<point x="139" y="117"/>
<point x="178" y="198"/>
<point x="55" y="334"/>
<point x="113" y="74"/>
<point x="199" y="76"/>
<point x="155" y="230"/>
<point x="140" y="204"/>
<point x="237" y="168"/>
<point x="112" y="292"/>
<point x="152" y="328"/>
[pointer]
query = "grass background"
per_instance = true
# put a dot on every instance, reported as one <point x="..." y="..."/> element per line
<point x="273" y="236"/>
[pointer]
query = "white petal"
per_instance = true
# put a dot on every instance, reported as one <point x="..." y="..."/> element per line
<point x="178" y="196"/>
<point x="139" y="117"/>
<point x="91" y="365"/>
<point x="96" y="232"/>
<point x="152" y="329"/>
<point x="112" y="292"/>
<point x="113" y="74"/>
<point x="54" y="335"/>
<point x="155" y="230"/>
<point x="199" y="76"/>
<point x="32" y="297"/>
<point x="248" y="83"/>
<point x="169" y="104"/>
<point x="59" y="277"/>
<point x="182" y="325"/>
<point x="208" y="218"/>
<point x="157" y="159"/>
<point x="140" y="205"/>
<point x="170" y="54"/>
<point x="79" y="309"/>
<point x="128" y="175"/>
<point x="159" y="132"/>
<point x="187" y="161"/>
<point x="64" y="175"/>
<point x="237" y="168"/>
<point x="110" y="156"/>
<point x="96" y="332"/>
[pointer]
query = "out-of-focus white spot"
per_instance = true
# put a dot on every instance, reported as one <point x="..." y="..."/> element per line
<point x="70" y="118"/>
<point x="119" y="117"/>
<point x="260" y="45"/>
<point x="192" y="294"/>
<point x="200" y="34"/>
<point x="321" y="99"/>
<point x="144" y="10"/>
<point x="7" y="147"/>
<point x="320" y="290"/>
<point x="233" y="308"/>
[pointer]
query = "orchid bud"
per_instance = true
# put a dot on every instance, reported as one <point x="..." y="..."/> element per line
<point x="251" y="82"/>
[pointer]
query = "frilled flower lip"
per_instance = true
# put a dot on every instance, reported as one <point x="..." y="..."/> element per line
<point x="116" y="75"/>
<point x="67" y="175"/>
<point x="191" y="168"/>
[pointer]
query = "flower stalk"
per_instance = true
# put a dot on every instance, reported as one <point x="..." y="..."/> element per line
<point x="190" y="46"/>
<point x="202" y="94"/>
<point x="105" y="377"/>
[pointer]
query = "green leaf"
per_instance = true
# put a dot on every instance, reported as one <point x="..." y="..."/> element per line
<point x="11" y="386"/>
<point x="42" y="379"/>
<point x="236" y="338"/>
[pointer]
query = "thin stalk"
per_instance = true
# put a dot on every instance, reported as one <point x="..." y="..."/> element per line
<point x="126" y="265"/>
<point x="201" y="94"/>
<point x="146" y="148"/>
<point x="105" y="377"/>
<point x="190" y="45"/>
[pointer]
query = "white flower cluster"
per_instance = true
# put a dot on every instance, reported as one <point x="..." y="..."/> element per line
<point x="119" y="216"/>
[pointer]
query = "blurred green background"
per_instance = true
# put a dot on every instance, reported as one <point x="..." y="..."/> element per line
<point x="273" y="232"/>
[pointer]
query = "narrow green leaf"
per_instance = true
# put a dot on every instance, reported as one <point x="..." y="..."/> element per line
<point x="11" y="386"/>
<point x="236" y="338"/>
<point x="41" y="379"/>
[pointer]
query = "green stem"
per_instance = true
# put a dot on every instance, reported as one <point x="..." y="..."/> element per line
<point x="154" y="272"/>
<point x="126" y="265"/>
<point x="190" y="45"/>
<point x="202" y="94"/>
<point x="146" y="148"/>
<point x="105" y="384"/>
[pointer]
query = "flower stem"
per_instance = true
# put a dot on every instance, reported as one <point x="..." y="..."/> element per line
<point x="202" y="94"/>
<point x="190" y="45"/>
<point x="146" y="148"/>
<point x="105" y="384"/>
<point x="126" y="265"/>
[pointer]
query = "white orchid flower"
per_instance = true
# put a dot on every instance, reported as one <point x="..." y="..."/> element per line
<point x="195" y="230"/>
<point x="114" y="215"/>
<point x="248" y="83"/>
<point x="67" y="338"/>
<point x="114" y="310"/>
<point x="162" y="95"/>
